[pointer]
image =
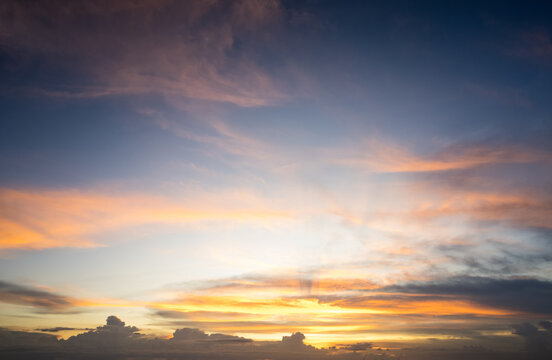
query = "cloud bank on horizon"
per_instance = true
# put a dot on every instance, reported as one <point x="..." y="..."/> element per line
<point x="368" y="175"/>
<point x="116" y="339"/>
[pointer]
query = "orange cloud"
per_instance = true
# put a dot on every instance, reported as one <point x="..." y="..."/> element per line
<point x="271" y="315"/>
<point x="380" y="156"/>
<point x="352" y="307"/>
<point x="521" y="209"/>
<point x="345" y="305"/>
<point x="45" y="219"/>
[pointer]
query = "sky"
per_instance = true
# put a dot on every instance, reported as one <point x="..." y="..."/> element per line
<point x="270" y="179"/>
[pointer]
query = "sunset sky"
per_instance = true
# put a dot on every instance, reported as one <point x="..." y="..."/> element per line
<point x="360" y="172"/>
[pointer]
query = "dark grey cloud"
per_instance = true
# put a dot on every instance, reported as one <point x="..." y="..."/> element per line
<point x="24" y="295"/>
<point x="294" y="341"/>
<point x="171" y="314"/>
<point x="114" y="334"/>
<point x="23" y="340"/>
<point x="60" y="328"/>
<point x="524" y="295"/>
<point x="360" y="346"/>
<point x="196" y="335"/>
<point x="537" y="341"/>
<point x="547" y="325"/>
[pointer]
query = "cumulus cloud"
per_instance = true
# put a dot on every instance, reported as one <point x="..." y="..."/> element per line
<point x="294" y="341"/>
<point x="114" y="334"/>
<point x="115" y="337"/>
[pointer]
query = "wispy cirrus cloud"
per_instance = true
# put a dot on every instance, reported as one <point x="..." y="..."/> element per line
<point x="386" y="157"/>
<point x="521" y="210"/>
<point x="536" y="44"/>
<point x="128" y="48"/>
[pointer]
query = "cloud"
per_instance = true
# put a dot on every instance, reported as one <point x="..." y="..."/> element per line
<point x="537" y="341"/>
<point x="536" y="44"/>
<point x="360" y="346"/>
<point x="531" y="296"/>
<point x="48" y="302"/>
<point x="260" y="305"/>
<point x="520" y="210"/>
<point x="295" y="340"/>
<point x="23" y="295"/>
<point x="113" y="335"/>
<point x="196" y="335"/>
<point x="59" y="328"/>
<point x="116" y="339"/>
<point x="22" y="340"/>
<point x="35" y="219"/>
<point x="384" y="157"/>
<point x="204" y="50"/>
<point x="282" y="284"/>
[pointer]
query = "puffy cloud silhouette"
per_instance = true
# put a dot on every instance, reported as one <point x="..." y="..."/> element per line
<point x="113" y="320"/>
<point x="294" y="341"/>
<point x="114" y="334"/>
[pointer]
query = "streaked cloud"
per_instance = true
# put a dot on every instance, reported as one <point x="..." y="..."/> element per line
<point x="272" y="306"/>
<point x="68" y="218"/>
<point x="28" y="296"/>
<point x="499" y="293"/>
<point x="522" y="210"/>
<point x="208" y="53"/>
<point x="385" y="157"/>
<point x="536" y="43"/>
